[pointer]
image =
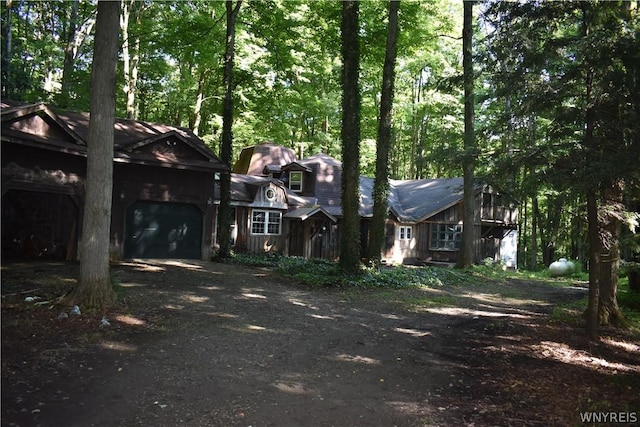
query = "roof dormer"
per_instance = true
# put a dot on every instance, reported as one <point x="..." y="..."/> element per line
<point x="294" y="175"/>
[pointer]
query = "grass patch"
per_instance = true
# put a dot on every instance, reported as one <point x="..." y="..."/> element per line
<point x="629" y="302"/>
<point x="570" y="313"/>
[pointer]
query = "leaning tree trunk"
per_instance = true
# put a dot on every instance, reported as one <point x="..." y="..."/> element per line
<point x="381" y="187"/>
<point x="94" y="290"/>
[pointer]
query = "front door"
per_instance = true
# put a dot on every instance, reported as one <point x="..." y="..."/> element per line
<point x="296" y="238"/>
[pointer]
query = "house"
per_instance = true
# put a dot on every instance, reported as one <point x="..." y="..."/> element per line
<point x="162" y="186"/>
<point x="424" y="223"/>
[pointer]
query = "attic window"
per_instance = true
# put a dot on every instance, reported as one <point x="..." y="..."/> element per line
<point x="295" y="181"/>
<point x="270" y="194"/>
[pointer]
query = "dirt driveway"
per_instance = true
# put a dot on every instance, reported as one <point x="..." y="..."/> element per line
<point x="209" y="344"/>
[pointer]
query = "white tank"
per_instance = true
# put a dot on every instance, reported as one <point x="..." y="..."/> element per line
<point x="561" y="267"/>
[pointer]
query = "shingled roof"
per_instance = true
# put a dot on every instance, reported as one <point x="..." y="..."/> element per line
<point x="409" y="200"/>
<point x="69" y="131"/>
<point x="414" y="200"/>
<point x="253" y="160"/>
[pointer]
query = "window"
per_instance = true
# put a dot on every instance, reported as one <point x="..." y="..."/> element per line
<point x="265" y="222"/>
<point x="295" y="181"/>
<point x="405" y="232"/>
<point x="270" y="194"/>
<point x="446" y="236"/>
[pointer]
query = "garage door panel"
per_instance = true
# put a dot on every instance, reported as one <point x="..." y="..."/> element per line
<point x="163" y="230"/>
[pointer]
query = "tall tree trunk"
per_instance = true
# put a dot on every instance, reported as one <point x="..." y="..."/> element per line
<point x="594" y="265"/>
<point x="591" y="192"/>
<point x="608" y="310"/>
<point x="78" y="33"/>
<point x="130" y="55"/>
<point x="197" y="109"/>
<point x="226" y="148"/>
<point x="94" y="290"/>
<point x="6" y="59"/>
<point x="350" y="229"/>
<point x="381" y="186"/>
<point x="467" y="253"/>
<point x="533" y="258"/>
<point x="69" y="57"/>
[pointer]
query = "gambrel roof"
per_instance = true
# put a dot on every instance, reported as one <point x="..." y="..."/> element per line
<point x="255" y="159"/>
<point x="410" y="201"/>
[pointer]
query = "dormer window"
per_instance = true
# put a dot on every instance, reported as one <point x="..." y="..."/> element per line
<point x="295" y="181"/>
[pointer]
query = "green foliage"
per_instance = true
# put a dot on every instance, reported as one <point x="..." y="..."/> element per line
<point x="571" y="313"/>
<point x="323" y="273"/>
<point x="629" y="302"/>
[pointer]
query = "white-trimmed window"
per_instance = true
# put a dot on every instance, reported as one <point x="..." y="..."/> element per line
<point x="266" y="222"/>
<point x="405" y="232"/>
<point x="446" y="237"/>
<point x="295" y="181"/>
<point x="270" y="194"/>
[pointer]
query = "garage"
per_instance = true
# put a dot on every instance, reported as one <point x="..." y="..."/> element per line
<point x="38" y="224"/>
<point x="163" y="230"/>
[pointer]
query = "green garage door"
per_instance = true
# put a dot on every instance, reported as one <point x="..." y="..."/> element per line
<point x="163" y="230"/>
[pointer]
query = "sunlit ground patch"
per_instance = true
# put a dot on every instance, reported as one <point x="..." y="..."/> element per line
<point x="253" y="296"/>
<point x="318" y="316"/>
<point x="194" y="298"/>
<point x="356" y="359"/>
<point x="223" y="315"/>
<point x="143" y="266"/>
<point x="413" y="332"/>
<point x="621" y="344"/>
<point x="459" y="311"/>
<point x="565" y="354"/>
<point x="173" y="307"/>
<point x="182" y="264"/>
<point x="129" y="320"/>
<point x="292" y="388"/>
<point x="211" y="288"/>
<point x="132" y="285"/>
<point x="300" y="303"/>
<point x="118" y="346"/>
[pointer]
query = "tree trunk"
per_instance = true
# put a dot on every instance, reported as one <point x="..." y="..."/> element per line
<point x="467" y="253"/>
<point x="6" y="59"/>
<point x="381" y="186"/>
<point x="350" y="230"/>
<point x="226" y="148"/>
<point x="533" y="259"/>
<point x="608" y="310"/>
<point x="197" y="109"/>
<point x="594" y="265"/>
<point x="69" y="57"/>
<point x="94" y="290"/>
<point x="130" y="55"/>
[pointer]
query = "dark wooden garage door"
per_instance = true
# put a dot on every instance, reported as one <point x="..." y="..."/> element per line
<point x="163" y="230"/>
<point x="39" y="225"/>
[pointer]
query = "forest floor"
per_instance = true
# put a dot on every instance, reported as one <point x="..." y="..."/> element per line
<point x="207" y="344"/>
